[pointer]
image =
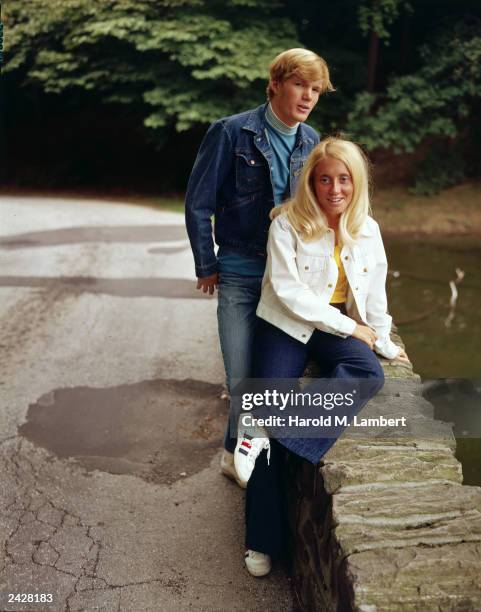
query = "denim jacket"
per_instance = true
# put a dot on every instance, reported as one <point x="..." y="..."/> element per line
<point x="231" y="179"/>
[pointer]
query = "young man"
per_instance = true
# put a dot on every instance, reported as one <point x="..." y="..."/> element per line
<point x="246" y="164"/>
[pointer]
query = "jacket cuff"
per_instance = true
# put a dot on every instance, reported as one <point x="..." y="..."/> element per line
<point x="203" y="271"/>
<point x="346" y="325"/>
<point x="386" y="348"/>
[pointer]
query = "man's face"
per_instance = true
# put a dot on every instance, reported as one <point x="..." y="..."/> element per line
<point x="295" y="98"/>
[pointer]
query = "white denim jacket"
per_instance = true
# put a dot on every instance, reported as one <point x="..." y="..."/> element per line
<point x="301" y="277"/>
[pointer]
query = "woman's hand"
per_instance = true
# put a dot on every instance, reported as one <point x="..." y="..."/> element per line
<point x="365" y="334"/>
<point x="402" y="356"/>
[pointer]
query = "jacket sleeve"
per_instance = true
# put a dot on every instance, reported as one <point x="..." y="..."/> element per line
<point x="376" y="304"/>
<point x="211" y="167"/>
<point x="294" y="294"/>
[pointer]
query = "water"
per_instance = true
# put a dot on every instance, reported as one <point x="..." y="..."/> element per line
<point x="419" y="302"/>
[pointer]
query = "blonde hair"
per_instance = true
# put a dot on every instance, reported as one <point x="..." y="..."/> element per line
<point x="306" y="64"/>
<point x="303" y="210"/>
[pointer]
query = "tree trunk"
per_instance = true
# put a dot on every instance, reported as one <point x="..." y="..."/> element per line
<point x="372" y="61"/>
<point x="405" y="41"/>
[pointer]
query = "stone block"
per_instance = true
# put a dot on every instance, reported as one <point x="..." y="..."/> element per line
<point x="360" y="465"/>
<point x="416" y="578"/>
<point x="424" y="515"/>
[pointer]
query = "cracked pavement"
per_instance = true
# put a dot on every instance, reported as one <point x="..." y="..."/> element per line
<point x="111" y="422"/>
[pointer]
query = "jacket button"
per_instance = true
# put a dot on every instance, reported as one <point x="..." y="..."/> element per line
<point x="346" y="257"/>
<point x="329" y="285"/>
<point x="304" y="335"/>
<point x="252" y="162"/>
<point x="365" y="270"/>
<point x="306" y="267"/>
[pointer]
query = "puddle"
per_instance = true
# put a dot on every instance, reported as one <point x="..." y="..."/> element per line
<point x="105" y="234"/>
<point x="160" y="430"/>
<point x="167" y="250"/>
<point x="172" y="288"/>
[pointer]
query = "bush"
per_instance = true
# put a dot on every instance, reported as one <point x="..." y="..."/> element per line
<point x="443" y="167"/>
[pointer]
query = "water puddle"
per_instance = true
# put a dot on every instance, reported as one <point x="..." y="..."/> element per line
<point x="171" y="288"/>
<point x="96" y="233"/>
<point x="160" y="430"/>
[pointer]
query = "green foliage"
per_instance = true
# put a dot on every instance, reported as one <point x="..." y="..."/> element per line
<point x="440" y="99"/>
<point x="443" y="167"/>
<point x="175" y="64"/>
<point x="378" y="15"/>
<point x="179" y="61"/>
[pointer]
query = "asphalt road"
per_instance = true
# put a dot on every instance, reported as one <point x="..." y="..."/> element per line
<point x="111" y="419"/>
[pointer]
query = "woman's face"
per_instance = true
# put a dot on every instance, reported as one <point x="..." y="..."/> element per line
<point x="333" y="186"/>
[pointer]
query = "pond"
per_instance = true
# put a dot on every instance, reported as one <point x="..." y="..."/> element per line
<point x="442" y="347"/>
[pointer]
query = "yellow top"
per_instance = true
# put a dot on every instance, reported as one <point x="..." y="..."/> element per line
<point x="340" y="292"/>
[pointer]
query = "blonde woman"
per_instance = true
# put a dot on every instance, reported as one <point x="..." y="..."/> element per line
<point x="323" y="296"/>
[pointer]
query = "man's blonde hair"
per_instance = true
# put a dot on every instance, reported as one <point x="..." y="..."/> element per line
<point x="303" y="210"/>
<point x="302" y="62"/>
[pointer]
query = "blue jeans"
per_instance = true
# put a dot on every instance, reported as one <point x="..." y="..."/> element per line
<point x="237" y="320"/>
<point x="278" y="355"/>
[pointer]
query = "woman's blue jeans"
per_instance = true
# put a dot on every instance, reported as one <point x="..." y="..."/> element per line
<point x="278" y="355"/>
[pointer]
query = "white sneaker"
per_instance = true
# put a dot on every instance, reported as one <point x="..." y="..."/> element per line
<point x="228" y="469"/>
<point x="247" y="450"/>
<point x="257" y="563"/>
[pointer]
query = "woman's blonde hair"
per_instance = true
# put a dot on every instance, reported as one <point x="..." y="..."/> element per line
<point x="303" y="210"/>
<point x="306" y="64"/>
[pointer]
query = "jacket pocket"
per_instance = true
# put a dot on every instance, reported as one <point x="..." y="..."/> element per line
<point x="251" y="171"/>
<point x="364" y="270"/>
<point x="238" y="219"/>
<point x="312" y="269"/>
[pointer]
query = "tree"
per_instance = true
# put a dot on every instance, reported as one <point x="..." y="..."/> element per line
<point x="175" y="65"/>
<point x="439" y="102"/>
<point x="440" y="99"/>
<point x="179" y="61"/>
<point x="375" y="18"/>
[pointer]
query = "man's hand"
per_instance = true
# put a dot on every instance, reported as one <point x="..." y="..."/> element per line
<point x="365" y="334"/>
<point x="208" y="283"/>
<point x="402" y="356"/>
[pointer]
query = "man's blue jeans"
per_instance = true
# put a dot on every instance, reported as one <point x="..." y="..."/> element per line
<point x="236" y="316"/>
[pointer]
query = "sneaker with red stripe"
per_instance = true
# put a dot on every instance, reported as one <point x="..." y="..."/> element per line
<point x="249" y="447"/>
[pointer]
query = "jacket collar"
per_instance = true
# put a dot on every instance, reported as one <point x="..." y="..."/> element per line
<point x="256" y="123"/>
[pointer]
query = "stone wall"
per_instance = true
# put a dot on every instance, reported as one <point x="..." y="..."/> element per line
<point x="386" y="524"/>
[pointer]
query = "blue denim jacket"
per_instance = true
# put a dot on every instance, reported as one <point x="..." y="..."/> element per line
<point x="231" y="179"/>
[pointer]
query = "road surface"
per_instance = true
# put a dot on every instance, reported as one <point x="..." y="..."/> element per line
<point x="111" y="419"/>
